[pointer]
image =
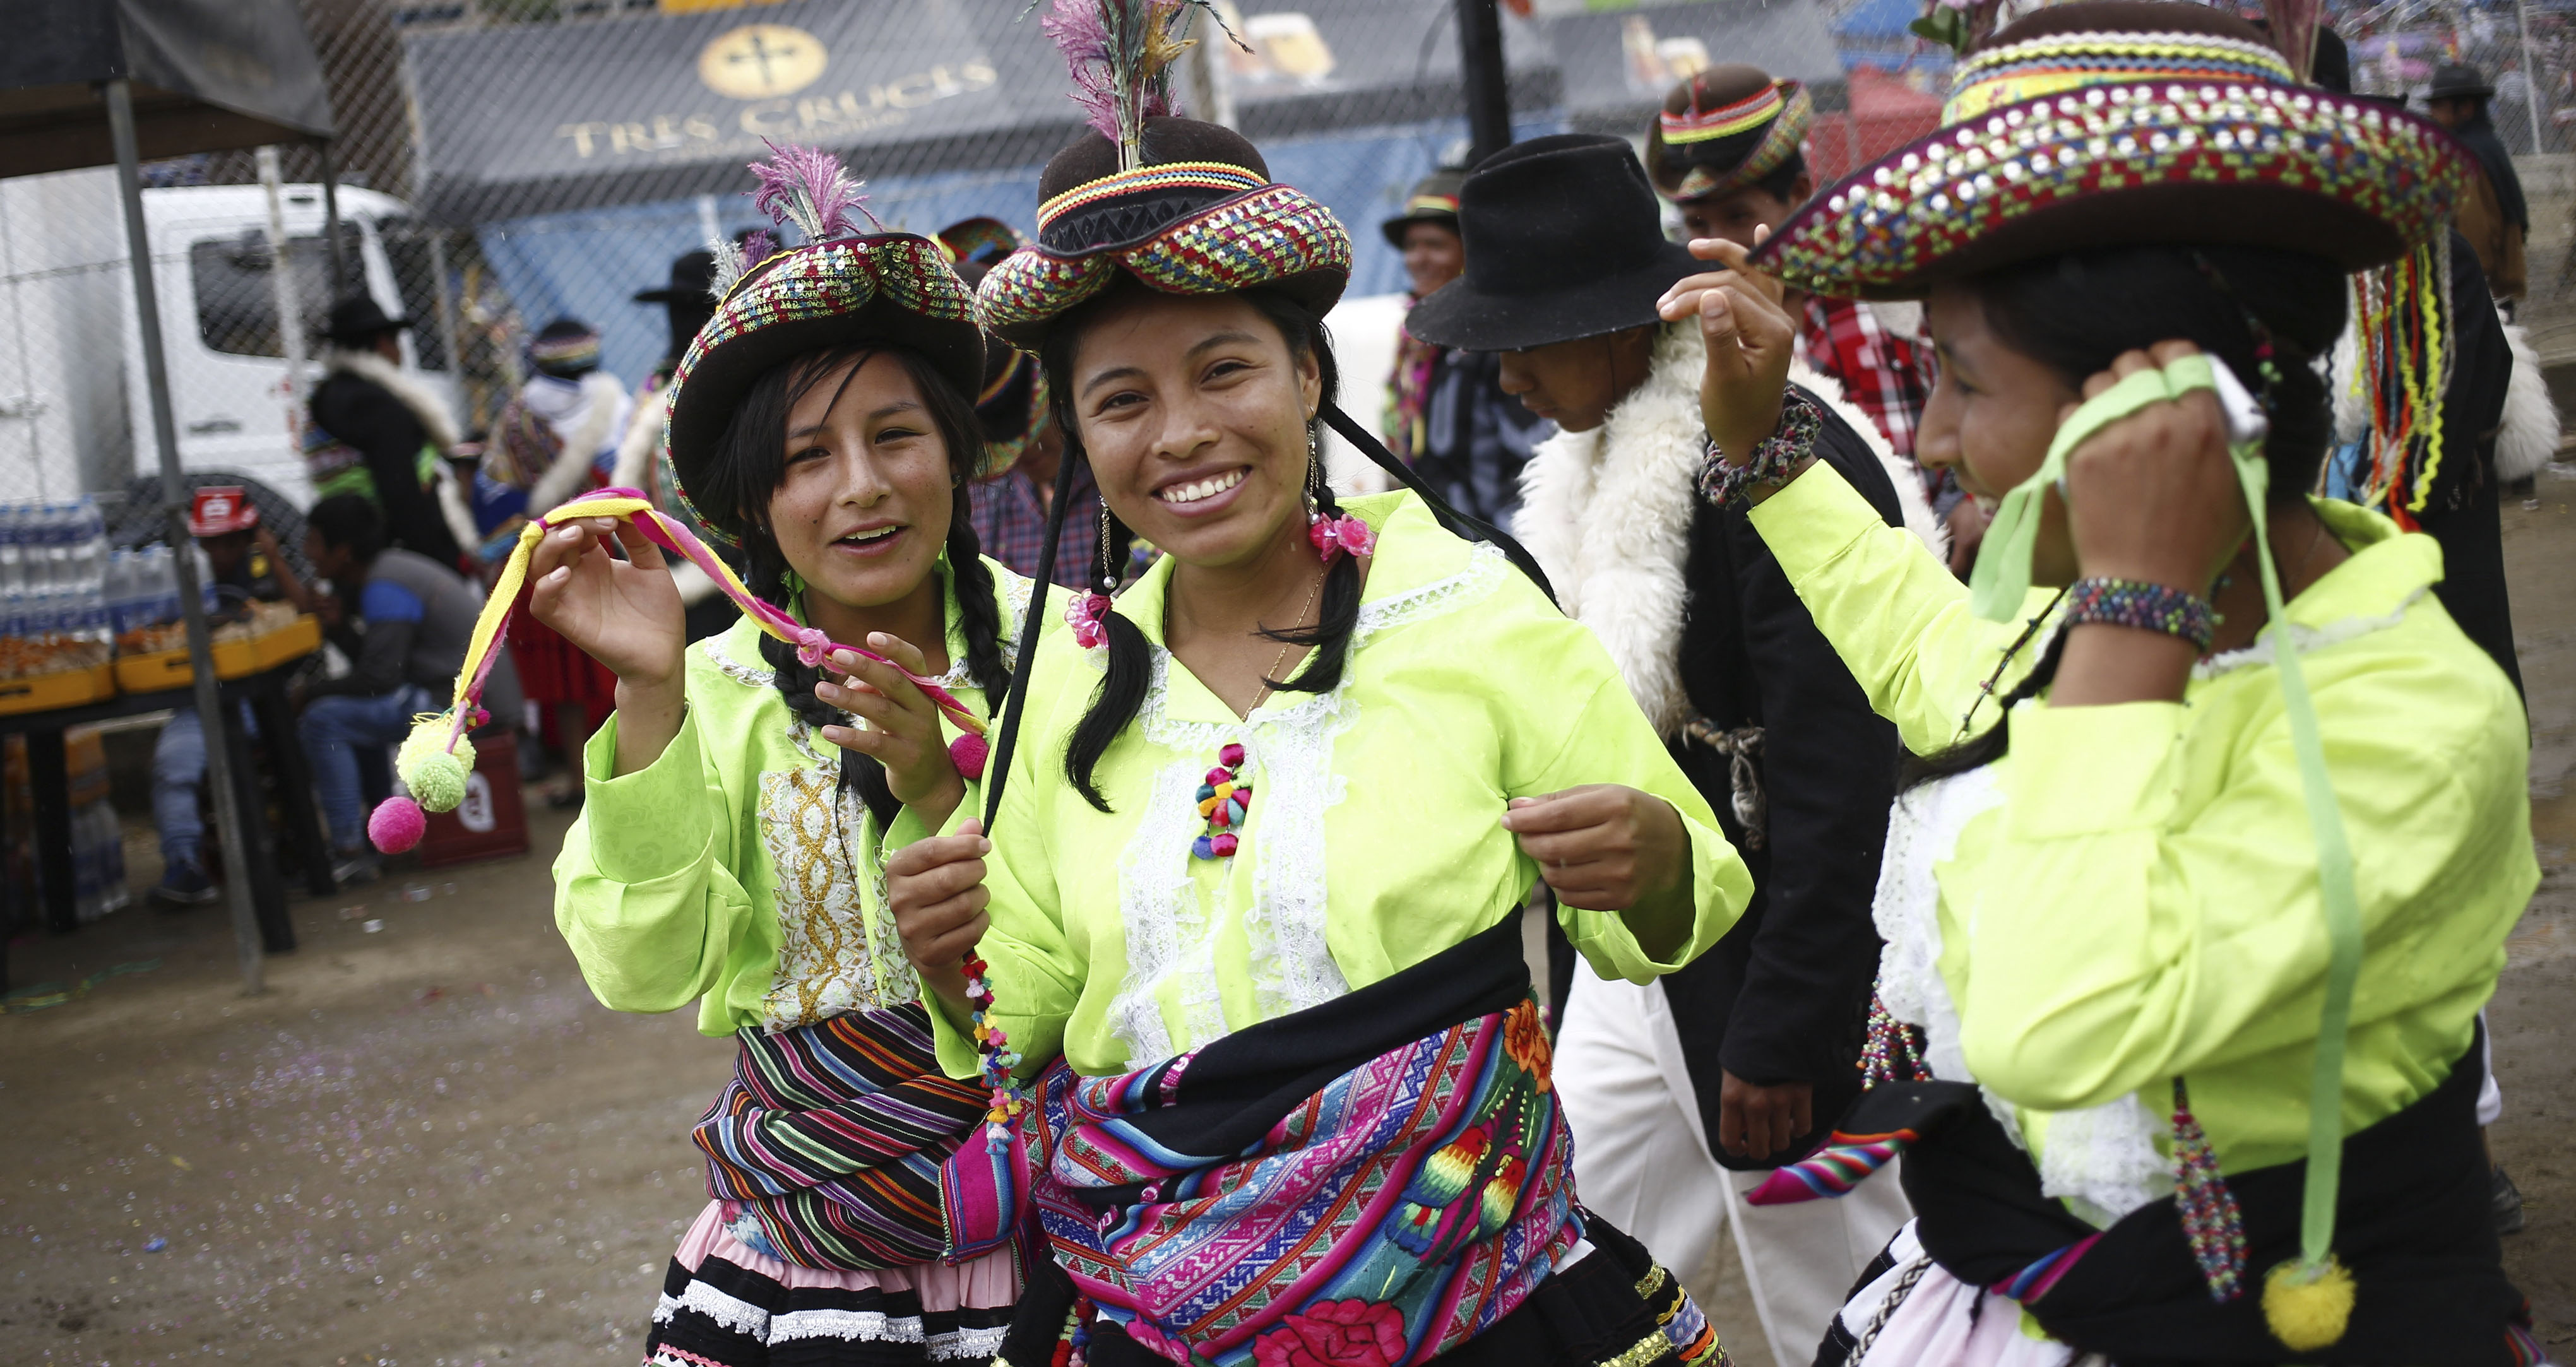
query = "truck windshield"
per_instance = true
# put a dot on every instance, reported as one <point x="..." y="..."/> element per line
<point x="237" y="298"/>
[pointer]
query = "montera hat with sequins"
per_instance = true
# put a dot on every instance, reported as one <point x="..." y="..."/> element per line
<point x="1434" y="199"/>
<point x="2125" y="123"/>
<point x="1199" y="215"/>
<point x="841" y="287"/>
<point x="1564" y="240"/>
<point x="1724" y="129"/>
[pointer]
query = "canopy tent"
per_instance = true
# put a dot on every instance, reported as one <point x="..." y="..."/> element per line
<point x="534" y="119"/>
<point x="83" y="82"/>
<point x="207" y="76"/>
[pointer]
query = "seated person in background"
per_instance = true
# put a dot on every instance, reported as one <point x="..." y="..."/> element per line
<point x="412" y="619"/>
<point x="248" y="567"/>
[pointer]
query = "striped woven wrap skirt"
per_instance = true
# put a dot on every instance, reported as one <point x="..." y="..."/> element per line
<point x="824" y="1245"/>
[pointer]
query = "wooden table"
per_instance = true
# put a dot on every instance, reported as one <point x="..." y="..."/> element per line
<point x="264" y="695"/>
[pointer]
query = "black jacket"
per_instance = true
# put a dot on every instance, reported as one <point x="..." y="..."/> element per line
<point x="1784" y="997"/>
<point x="368" y="416"/>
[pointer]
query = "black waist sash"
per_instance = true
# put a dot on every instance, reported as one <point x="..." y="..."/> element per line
<point x="2412" y="1224"/>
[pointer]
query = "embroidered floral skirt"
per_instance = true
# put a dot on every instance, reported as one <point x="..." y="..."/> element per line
<point x="725" y="1304"/>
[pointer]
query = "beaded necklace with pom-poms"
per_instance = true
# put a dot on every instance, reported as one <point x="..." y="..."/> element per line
<point x="1225" y="796"/>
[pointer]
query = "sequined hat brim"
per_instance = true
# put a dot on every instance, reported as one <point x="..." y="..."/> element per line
<point x="2251" y="164"/>
<point x="1274" y="236"/>
<point x="893" y="288"/>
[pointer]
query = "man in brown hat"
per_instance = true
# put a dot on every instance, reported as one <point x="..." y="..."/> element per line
<point x="1729" y="151"/>
<point x="2496" y="219"/>
<point x="1446" y="412"/>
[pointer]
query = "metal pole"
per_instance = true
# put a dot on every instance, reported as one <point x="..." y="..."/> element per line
<point x="2530" y="75"/>
<point x="192" y="608"/>
<point x="1480" y="69"/>
<point x="331" y="220"/>
<point x="281" y="280"/>
<point x="1210" y="82"/>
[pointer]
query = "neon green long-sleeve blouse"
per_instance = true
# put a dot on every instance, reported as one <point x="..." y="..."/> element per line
<point x="2142" y="903"/>
<point x="1373" y="840"/>
<point x="732" y="870"/>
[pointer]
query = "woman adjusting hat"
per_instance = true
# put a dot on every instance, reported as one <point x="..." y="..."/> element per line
<point x="1249" y="913"/>
<point x="2194" y="942"/>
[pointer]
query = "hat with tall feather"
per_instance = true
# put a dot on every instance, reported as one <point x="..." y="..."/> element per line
<point x="2109" y="123"/>
<point x="1184" y="206"/>
<point x="849" y="282"/>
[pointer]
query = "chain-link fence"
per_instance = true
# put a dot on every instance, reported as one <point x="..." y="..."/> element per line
<point x="503" y="163"/>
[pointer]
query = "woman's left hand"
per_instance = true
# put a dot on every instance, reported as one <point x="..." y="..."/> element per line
<point x="2154" y="496"/>
<point x="902" y="726"/>
<point x="1602" y="847"/>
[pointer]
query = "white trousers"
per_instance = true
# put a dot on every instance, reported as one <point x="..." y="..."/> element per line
<point x="1642" y="1163"/>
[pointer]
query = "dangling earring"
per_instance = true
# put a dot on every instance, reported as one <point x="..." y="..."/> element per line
<point x="1088" y="613"/>
<point x="1330" y="536"/>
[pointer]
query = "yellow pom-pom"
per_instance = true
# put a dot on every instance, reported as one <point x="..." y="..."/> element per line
<point x="435" y="774"/>
<point x="2307" y="1309"/>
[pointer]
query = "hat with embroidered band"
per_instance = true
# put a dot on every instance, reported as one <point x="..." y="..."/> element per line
<point x="1434" y="200"/>
<point x="981" y="240"/>
<point x="1563" y="241"/>
<point x="1724" y="129"/>
<point x="2125" y="122"/>
<point x="843" y="286"/>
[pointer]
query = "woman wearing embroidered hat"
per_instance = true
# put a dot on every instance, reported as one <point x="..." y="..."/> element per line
<point x="728" y="852"/>
<point x="2195" y="925"/>
<point x="1257" y="872"/>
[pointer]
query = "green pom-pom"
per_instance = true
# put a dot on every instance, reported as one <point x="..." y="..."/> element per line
<point x="434" y="773"/>
<point x="2307" y="1308"/>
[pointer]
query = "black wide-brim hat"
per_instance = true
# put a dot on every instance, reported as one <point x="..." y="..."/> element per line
<point x="2111" y="123"/>
<point x="358" y="319"/>
<point x="1564" y="240"/>
<point x="1433" y="200"/>
<point x="891" y="289"/>
<point x="692" y="273"/>
<point x="1200" y="216"/>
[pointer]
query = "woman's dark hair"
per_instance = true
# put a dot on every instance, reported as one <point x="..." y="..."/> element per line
<point x="751" y="464"/>
<point x="1131" y="663"/>
<point x="1783" y="180"/>
<point x="2077" y="312"/>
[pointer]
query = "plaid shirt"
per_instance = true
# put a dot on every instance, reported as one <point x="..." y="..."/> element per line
<point x="1888" y="377"/>
<point x="1010" y="524"/>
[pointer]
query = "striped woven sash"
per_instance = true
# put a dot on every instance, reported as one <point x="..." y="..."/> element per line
<point x="830" y="1137"/>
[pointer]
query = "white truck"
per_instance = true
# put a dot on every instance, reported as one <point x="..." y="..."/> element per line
<point x="75" y="416"/>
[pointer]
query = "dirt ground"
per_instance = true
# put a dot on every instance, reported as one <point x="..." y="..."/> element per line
<point x="426" y="1145"/>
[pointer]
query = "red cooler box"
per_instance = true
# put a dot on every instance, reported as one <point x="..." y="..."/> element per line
<point x="490" y="823"/>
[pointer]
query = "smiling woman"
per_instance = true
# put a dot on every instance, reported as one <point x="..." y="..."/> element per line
<point x="729" y="848"/>
<point x="1272" y="814"/>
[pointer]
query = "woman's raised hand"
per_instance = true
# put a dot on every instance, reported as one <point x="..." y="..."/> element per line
<point x="1744" y="324"/>
<point x="625" y="614"/>
<point x="2154" y="496"/>
<point x="900" y="725"/>
<point x="935" y="891"/>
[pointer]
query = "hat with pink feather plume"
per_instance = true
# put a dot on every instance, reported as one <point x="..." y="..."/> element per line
<point x="849" y="281"/>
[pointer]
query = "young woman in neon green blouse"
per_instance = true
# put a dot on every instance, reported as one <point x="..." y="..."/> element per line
<point x="1423" y="738"/>
<point x="2109" y="910"/>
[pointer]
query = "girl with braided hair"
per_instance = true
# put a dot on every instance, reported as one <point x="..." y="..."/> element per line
<point x="729" y="851"/>
<point x="1247" y="925"/>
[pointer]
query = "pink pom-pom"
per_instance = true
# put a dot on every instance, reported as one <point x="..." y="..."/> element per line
<point x="397" y="825"/>
<point x="968" y="753"/>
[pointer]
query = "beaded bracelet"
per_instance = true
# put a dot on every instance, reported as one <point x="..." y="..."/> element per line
<point x="1775" y="458"/>
<point x="2146" y="606"/>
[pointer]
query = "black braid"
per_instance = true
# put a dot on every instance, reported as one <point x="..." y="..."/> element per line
<point x="976" y="610"/>
<point x="794" y="679"/>
<point x="1989" y="745"/>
